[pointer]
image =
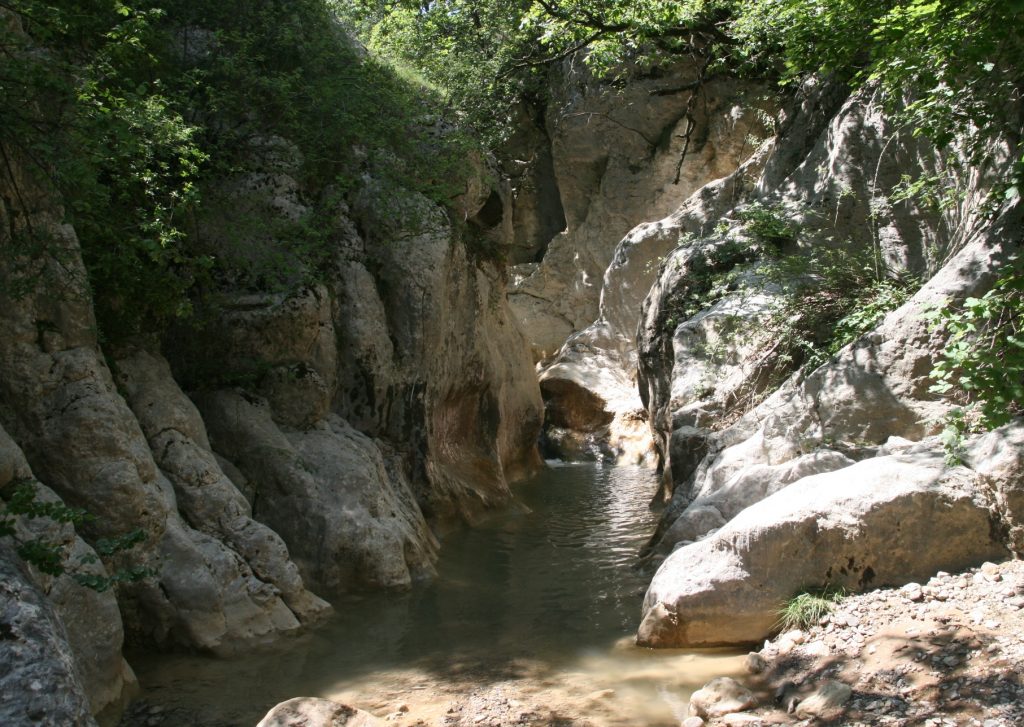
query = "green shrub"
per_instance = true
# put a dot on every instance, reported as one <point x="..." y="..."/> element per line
<point x="768" y="224"/>
<point x="137" y="113"/>
<point x="19" y="500"/>
<point x="981" y="368"/>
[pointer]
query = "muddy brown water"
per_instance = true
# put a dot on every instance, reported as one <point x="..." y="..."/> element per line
<point x="532" y="613"/>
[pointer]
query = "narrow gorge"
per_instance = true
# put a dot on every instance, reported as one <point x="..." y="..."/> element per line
<point x="462" y="364"/>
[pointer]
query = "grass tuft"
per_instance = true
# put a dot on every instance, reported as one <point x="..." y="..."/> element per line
<point x="807" y="608"/>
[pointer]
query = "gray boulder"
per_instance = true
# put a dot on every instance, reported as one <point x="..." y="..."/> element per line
<point x="883" y="521"/>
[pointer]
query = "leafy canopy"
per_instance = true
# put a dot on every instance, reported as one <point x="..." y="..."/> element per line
<point x="134" y="111"/>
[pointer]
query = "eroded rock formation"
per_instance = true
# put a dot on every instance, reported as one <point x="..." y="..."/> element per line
<point x="609" y="158"/>
<point x="292" y="446"/>
<point x="783" y="471"/>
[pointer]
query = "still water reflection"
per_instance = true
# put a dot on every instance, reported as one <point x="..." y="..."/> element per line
<point x="532" y="613"/>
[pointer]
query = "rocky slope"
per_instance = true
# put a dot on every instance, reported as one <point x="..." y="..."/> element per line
<point x="941" y="652"/>
<point x="814" y="452"/>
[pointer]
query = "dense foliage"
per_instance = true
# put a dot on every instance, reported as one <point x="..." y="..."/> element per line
<point x="960" y="61"/>
<point x="949" y="70"/>
<point x="133" y="111"/>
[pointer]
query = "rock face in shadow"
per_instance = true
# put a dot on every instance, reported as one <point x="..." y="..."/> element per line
<point x="81" y="439"/>
<point x="328" y="492"/>
<point x="39" y="680"/>
<point x="94" y="634"/>
<point x="205" y="495"/>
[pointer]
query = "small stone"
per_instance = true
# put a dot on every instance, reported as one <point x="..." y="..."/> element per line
<point x="827" y="698"/>
<point x="912" y="591"/>
<point x="796" y="636"/>
<point x="755" y="663"/>
<point x="719" y="697"/>
<point x="950" y="661"/>
<point x="816" y="648"/>
<point x="692" y="722"/>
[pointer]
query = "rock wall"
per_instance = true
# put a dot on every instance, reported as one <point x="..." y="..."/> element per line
<point x="77" y="633"/>
<point x="40" y="680"/>
<point x="827" y="464"/>
<point x="290" y="446"/>
<point x="603" y="158"/>
<point x="607" y="157"/>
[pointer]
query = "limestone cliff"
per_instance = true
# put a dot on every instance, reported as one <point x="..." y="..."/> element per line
<point x="599" y="159"/>
<point x="298" y="444"/>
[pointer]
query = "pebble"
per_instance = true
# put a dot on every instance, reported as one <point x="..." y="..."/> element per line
<point x="913" y="591"/>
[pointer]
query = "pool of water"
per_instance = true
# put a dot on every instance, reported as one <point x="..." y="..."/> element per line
<point x="530" y="619"/>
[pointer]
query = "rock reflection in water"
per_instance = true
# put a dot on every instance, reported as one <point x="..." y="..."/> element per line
<point x="530" y="620"/>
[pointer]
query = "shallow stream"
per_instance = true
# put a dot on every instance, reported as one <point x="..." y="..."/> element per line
<point x="530" y="620"/>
